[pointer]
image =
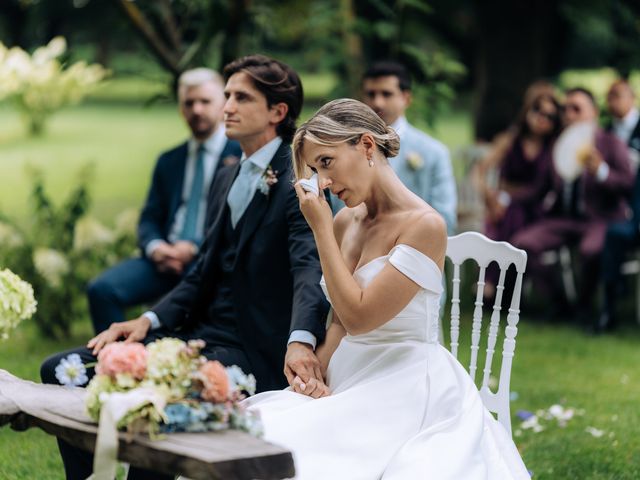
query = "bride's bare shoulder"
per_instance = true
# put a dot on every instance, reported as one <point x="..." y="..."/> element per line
<point x="341" y="222"/>
<point x="426" y="231"/>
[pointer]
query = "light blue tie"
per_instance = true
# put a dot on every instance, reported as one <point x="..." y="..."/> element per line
<point x="241" y="191"/>
<point x="193" y="206"/>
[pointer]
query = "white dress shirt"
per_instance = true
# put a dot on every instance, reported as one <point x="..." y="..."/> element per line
<point x="623" y="128"/>
<point x="213" y="147"/>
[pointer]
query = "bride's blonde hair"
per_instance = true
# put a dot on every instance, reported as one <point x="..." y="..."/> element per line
<point x="343" y="121"/>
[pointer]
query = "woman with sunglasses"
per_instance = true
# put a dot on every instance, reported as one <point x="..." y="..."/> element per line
<point x="522" y="159"/>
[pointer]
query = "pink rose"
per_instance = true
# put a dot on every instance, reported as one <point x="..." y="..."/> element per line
<point x="120" y="357"/>
<point x="215" y="382"/>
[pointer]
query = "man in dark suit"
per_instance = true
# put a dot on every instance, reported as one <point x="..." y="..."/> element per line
<point x="578" y="213"/>
<point x="171" y="226"/>
<point x="621" y="236"/>
<point x="254" y="293"/>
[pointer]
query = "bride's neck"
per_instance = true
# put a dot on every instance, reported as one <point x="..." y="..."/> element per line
<point x="388" y="193"/>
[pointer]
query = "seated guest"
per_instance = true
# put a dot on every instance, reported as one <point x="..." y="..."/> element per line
<point x="625" y="117"/>
<point x="578" y="213"/>
<point x="254" y="293"/>
<point x="171" y="226"/>
<point x="522" y="157"/>
<point x="423" y="163"/>
<point x="621" y="236"/>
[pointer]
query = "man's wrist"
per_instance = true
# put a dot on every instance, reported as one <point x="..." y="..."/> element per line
<point x="154" y="321"/>
<point x="303" y="336"/>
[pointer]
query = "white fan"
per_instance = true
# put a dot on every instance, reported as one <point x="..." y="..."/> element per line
<point x="571" y="148"/>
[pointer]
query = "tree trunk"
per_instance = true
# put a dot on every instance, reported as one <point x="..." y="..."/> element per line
<point x="516" y="42"/>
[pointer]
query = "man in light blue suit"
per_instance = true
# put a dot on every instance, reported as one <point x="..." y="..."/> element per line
<point x="423" y="164"/>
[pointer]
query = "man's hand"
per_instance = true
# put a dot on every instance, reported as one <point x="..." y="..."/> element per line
<point x="593" y="160"/>
<point x="300" y="361"/>
<point x="184" y="251"/>
<point x="131" y="331"/>
<point x="168" y="258"/>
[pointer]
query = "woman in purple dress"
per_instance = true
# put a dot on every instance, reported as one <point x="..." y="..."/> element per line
<point x="521" y="157"/>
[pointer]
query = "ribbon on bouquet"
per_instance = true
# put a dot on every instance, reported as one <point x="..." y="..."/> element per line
<point x="114" y="408"/>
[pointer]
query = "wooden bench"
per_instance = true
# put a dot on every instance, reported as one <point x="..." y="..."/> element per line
<point x="215" y="455"/>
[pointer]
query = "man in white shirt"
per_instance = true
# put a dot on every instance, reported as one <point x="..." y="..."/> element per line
<point x="623" y="236"/>
<point x="171" y="226"/>
<point x="625" y="118"/>
<point x="423" y="163"/>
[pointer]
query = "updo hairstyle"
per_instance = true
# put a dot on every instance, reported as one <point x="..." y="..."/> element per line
<point x="343" y="121"/>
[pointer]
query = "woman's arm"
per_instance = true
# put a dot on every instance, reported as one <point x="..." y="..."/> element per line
<point x="362" y="310"/>
<point x="335" y="332"/>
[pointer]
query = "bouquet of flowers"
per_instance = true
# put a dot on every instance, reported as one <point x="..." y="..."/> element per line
<point x="16" y="302"/>
<point x="166" y="386"/>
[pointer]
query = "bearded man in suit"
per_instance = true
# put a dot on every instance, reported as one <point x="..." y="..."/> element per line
<point x="171" y="226"/>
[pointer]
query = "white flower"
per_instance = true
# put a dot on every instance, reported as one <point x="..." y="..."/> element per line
<point x="127" y="222"/>
<point x="415" y="161"/>
<point x="51" y="264"/>
<point x="238" y="380"/>
<point x="594" y="432"/>
<point x="16" y="301"/>
<point x="71" y="372"/>
<point x="89" y="233"/>
<point x="9" y="236"/>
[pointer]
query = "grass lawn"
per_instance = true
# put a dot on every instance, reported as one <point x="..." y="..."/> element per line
<point x="553" y="363"/>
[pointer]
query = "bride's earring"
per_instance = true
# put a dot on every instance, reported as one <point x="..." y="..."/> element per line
<point x="370" y="162"/>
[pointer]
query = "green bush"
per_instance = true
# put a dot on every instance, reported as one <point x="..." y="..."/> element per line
<point x="61" y="249"/>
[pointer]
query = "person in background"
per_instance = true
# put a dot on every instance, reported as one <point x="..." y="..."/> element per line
<point x="578" y="213"/>
<point x="423" y="163"/>
<point x="522" y="158"/>
<point x="172" y="222"/>
<point x="621" y="236"/>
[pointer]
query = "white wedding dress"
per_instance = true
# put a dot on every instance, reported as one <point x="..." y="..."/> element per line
<point x="401" y="406"/>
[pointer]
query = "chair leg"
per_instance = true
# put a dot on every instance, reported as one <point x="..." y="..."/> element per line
<point x="567" y="275"/>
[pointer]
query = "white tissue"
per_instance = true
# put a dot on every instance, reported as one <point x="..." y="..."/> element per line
<point x="311" y="184"/>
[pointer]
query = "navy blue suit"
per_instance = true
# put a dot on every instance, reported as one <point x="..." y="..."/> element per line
<point x="136" y="281"/>
<point x="275" y="289"/>
<point x="621" y="237"/>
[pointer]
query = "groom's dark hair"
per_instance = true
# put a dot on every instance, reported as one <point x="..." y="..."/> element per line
<point x="278" y="82"/>
<point x="389" y="68"/>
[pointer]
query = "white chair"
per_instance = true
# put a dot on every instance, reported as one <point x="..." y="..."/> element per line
<point x="477" y="247"/>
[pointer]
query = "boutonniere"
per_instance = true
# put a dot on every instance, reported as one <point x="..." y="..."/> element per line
<point x="230" y="160"/>
<point x="267" y="180"/>
<point x="415" y="161"/>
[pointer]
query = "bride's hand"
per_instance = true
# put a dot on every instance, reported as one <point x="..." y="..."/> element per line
<point x="313" y="388"/>
<point x="315" y="208"/>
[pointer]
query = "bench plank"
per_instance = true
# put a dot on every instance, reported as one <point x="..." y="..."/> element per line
<point x="60" y="411"/>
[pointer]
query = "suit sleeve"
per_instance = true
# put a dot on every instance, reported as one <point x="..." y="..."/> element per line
<point x="310" y="308"/>
<point x="442" y="184"/>
<point x="154" y="214"/>
<point x="620" y="179"/>
<point x="175" y="310"/>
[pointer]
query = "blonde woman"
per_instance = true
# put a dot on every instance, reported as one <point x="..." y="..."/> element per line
<point x="392" y="403"/>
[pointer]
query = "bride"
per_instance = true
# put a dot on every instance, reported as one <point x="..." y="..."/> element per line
<point x="393" y="404"/>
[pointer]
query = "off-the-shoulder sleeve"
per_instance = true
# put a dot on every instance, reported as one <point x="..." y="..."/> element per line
<point x="417" y="266"/>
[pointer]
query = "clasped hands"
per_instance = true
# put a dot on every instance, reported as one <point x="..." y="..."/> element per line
<point x="304" y="372"/>
<point x="173" y="257"/>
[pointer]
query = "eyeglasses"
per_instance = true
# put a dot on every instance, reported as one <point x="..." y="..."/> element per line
<point x="572" y="107"/>
<point x="551" y="116"/>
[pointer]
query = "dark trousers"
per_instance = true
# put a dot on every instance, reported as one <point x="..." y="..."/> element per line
<point x="78" y="464"/>
<point x="620" y="238"/>
<point x="551" y="234"/>
<point x="129" y="283"/>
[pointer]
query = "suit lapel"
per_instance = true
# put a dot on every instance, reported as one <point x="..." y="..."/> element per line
<point x="257" y="208"/>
